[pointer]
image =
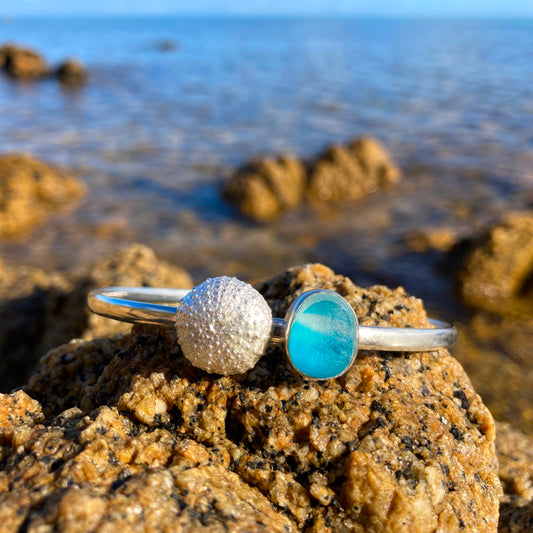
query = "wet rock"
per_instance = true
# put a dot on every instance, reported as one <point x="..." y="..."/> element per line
<point x="265" y="188"/>
<point x="22" y="63"/>
<point x="166" y="45"/>
<point x="72" y="72"/>
<point x="338" y="175"/>
<point x="428" y="239"/>
<point x="40" y="310"/>
<point x="31" y="190"/>
<point x="375" y="160"/>
<point x="499" y="270"/>
<point x="515" y="457"/>
<point x="351" y="172"/>
<point x="134" y="436"/>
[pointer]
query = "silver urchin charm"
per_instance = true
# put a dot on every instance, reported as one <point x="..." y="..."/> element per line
<point x="223" y="326"/>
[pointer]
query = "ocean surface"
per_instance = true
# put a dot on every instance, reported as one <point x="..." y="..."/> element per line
<point x="173" y="105"/>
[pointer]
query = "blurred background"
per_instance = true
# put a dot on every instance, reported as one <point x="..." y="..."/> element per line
<point x="166" y="102"/>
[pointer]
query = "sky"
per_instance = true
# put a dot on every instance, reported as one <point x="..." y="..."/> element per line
<point x="429" y="8"/>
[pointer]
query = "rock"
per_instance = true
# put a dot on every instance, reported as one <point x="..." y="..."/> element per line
<point x="133" y="436"/>
<point x="375" y="161"/>
<point x="427" y="239"/>
<point x="133" y="266"/>
<point x="515" y="457"/>
<point x="498" y="270"/>
<point x="22" y="63"/>
<point x="351" y="172"/>
<point x="30" y="190"/>
<point x="495" y="351"/>
<point x="338" y="175"/>
<point x="39" y="311"/>
<point x="29" y="300"/>
<point x="265" y="188"/>
<point x="166" y="45"/>
<point x="71" y="72"/>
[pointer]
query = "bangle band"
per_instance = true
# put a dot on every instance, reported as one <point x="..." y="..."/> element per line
<point x="224" y="325"/>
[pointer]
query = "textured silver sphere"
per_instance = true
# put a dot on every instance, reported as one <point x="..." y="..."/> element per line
<point x="223" y="326"/>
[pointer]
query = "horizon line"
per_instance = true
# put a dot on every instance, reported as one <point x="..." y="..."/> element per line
<point x="7" y="17"/>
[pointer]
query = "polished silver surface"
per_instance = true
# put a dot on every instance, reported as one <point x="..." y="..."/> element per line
<point x="441" y="335"/>
<point x="138" y="305"/>
<point x="159" y="307"/>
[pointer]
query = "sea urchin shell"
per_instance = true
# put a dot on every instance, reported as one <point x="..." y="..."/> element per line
<point x="223" y="326"/>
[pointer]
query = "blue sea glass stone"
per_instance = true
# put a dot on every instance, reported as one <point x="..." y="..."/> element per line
<point x="322" y="335"/>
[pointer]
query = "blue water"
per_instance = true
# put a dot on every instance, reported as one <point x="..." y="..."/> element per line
<point x="459" y="91"/>
<point x="155" y="132"/>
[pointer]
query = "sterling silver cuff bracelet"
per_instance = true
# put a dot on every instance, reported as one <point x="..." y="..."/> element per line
<point x="224" y="325"/>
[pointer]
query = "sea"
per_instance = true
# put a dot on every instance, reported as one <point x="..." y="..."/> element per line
<point x="174" y="105"/>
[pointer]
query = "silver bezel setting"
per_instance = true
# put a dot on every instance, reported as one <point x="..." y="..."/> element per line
<point x="289" y="319"/>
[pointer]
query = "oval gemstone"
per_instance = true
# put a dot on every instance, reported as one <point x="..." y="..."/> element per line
<point x="322" y="335"/>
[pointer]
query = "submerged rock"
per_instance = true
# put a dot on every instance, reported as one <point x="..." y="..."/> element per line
<point x="22" y="63"/>
<point x="30" y="190"/>
<point x="72" y="72"/>
<point x="431" y="239"/>
<point x="126" y="433"/>
<point x="351" y="172"/>
<point x="499" y="270"/>
<point x="266" y="188"/>
<point x="40" y="310"/>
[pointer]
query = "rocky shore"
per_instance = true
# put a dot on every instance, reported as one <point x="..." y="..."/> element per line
<point x="116" y="422"/>
<point x="22" y="63"/>
<point x="111" y="425"/>
<point x="110" y="420"/>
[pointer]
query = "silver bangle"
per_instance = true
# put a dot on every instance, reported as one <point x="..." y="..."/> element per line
<point x="224" y="325"/>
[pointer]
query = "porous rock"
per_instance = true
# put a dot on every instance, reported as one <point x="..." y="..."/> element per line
<point x="495" y="351"/>
<point x="71" y="72"/>
<point x="39" y="310"/>
<point x="133" y="266"/>
<point x="22" y="63"/>
<point x="497" y="271"/>
<point x="30" y="190"/>
<point x="263" y="189"/>
<point x="351" y="172"/>
<point x="515" y="457"/>
<point x="29" y="300"/>
<point x="134" y="436"/>
<point x="266" y="188"/>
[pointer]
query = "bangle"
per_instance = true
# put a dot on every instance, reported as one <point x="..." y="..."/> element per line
<point x="224" y="325"/>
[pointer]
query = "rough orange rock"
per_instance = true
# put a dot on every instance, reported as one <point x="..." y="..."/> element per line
<point x="351" y="172"/>
<point x="136" y="437"/>
<point x="71" y="72"/>
<point x="515" y="456"/>
<point x="265" y="188"/>
<point x="39" y="310"/>
<point x="22" y="63"/>
<point x="30" y="190"/>
<point x="496" y="271"/>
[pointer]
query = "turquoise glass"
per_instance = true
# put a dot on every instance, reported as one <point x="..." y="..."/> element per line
<point x="322" y="335"/>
